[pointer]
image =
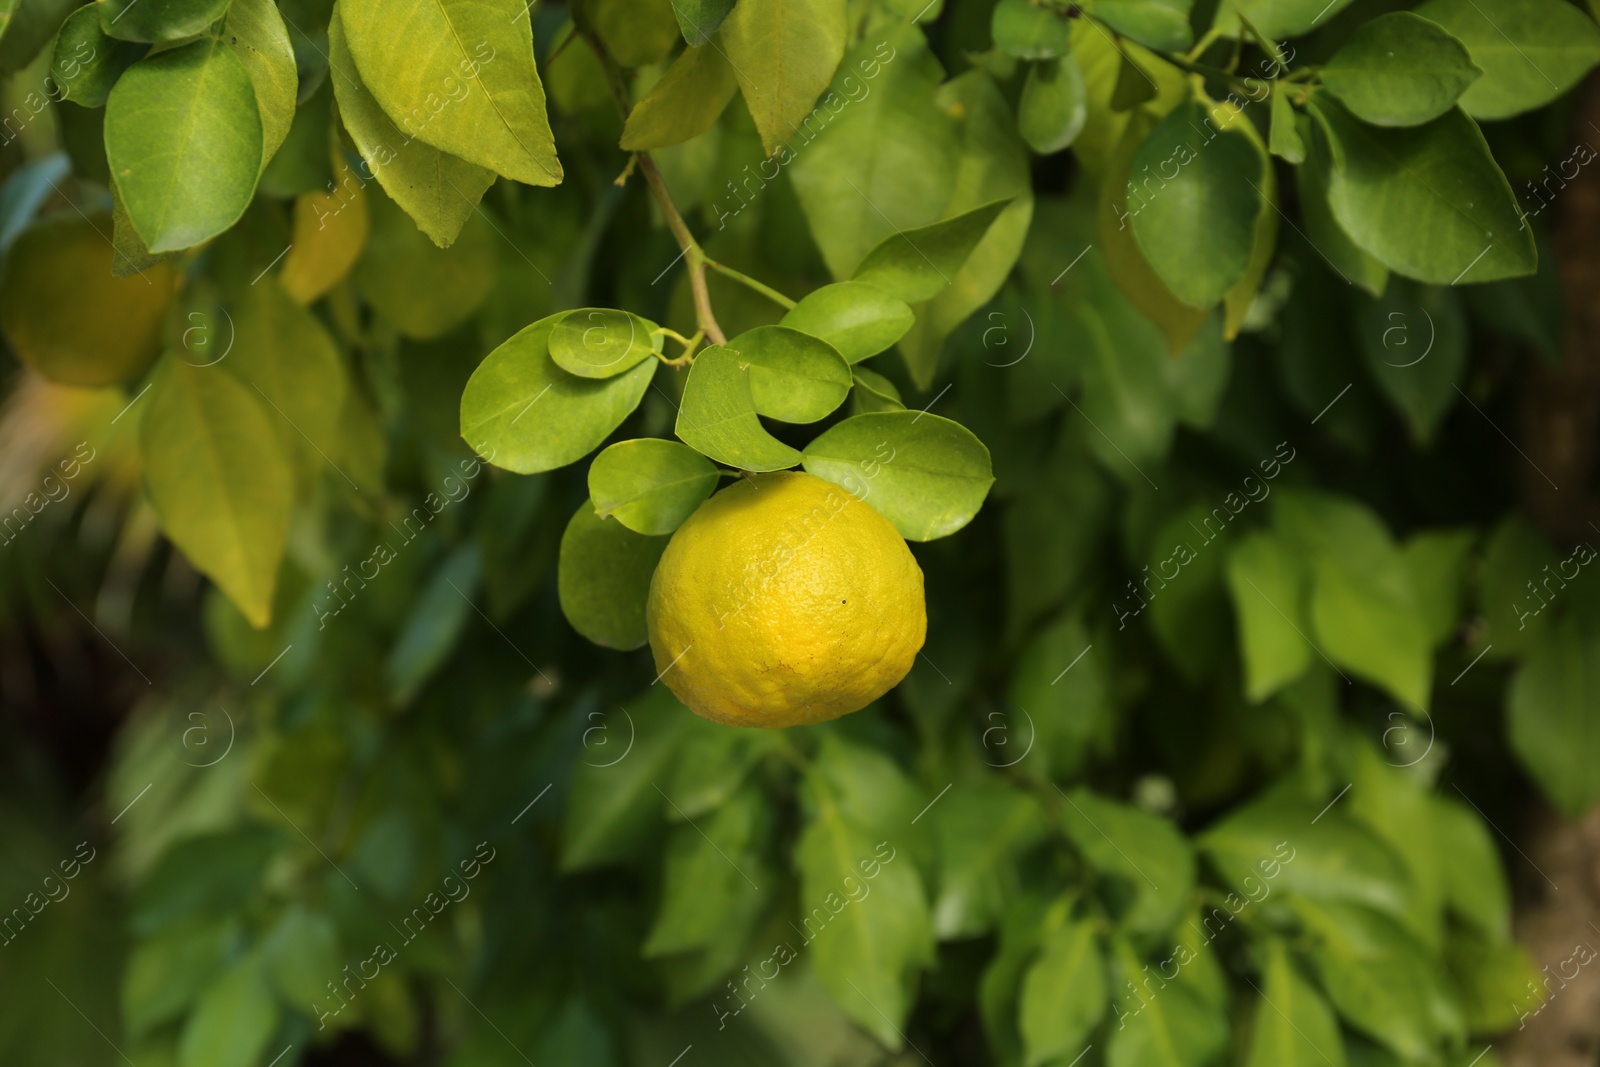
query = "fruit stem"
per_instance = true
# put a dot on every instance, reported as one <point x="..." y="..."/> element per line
<point x="745" y="279"/>
<point x="693" y="255"/>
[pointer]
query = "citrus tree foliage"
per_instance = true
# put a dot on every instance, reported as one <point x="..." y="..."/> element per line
<point x="416" y="328"/>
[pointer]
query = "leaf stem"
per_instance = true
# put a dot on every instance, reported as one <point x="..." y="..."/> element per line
<point x="745" y="279"/>
<point x="693" y="255"/>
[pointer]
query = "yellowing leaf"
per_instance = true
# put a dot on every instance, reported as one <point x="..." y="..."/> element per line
<point x="65" y="315"/>
<point x="282" y="353"/>
<point x="784" y="53"/>
<point x="684" y="103"/>
<point x="439" y="191"/>
<point x="635" y="32"/>
<point x="425" y="291"/>
<point x="459" y="75"/>
<point x="220" y="480"/>
<point x="330" y="230"/>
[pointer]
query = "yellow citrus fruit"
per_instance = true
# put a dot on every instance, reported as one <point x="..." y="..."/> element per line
<point x="784" y="600"/>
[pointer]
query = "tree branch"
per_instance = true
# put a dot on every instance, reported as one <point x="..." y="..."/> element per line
<point x="693" y="255"/>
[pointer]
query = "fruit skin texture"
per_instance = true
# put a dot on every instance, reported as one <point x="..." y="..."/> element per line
<point x="784" y="600"/>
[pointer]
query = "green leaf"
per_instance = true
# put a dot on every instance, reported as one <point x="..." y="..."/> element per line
<point x="1475" y="886"/>
<point x="1399" y="69"/>
<point x="285" y="357"/>
<point x="1521" y="571"/>
<point x="438" y="190"/>
<point x="523" y="413"/>
<point x="1198" y="377"/>
<point x="1437" y="562"/>
<point x="1530" y="51"/>
<point x="131" y="255"/>
<point x="613" y="807"/>
<point x="1052" y="108"/>
<point x="434" y="624"/>
<point x="600" y="342"/>
<point x="650" y="485"/>
<point x="1415" y="343"/>
<point x="1000" y="986"/>
<point x="1066" y="698"/>
<point x="1162" y="24"/>
<point x="1030" y="31"/>
<point x="713" y="873"/>
<point x="857" y="319"/>
<point x="868" y="926"/>
<point x="56" y="269"/>
<point x="1185" y="612"/>
<point x="27" y="26"/>
<point x="1124" y="262"/>
<point x="1284" y="137"/>
<point x="794" y="377"/>
<point x="1323" y="231"/>
<point x="1146" y="852"/>
<point x="425" y="290"/>
<point x="1169" y="1027"/>
<point x="1428" y="201"/>
<point x="978" y="843"/>
<point x="1241" y="297"/>
<point x="1294" y="1027"/>
<point x="1363" y="610"/>
<point x="929" y="477"/>
<point x="1195" y="223"/>
<point x="889" y="157"/>
<point x="255" y="31"/>
<point x="303" y="164"/>
<point x="918" y="264"/>
<point x="713" y="764"/>
<point x="685" y="103"/>
<point x="1275" y="843"/>
<point x="784" y="53"/>
<point x="604" y="578"/>
<point x="870" y="789"/>
<point x="1494" y="982"/>
<point x="1397" y="809"/>
<point x="87" y="62"/>
<point x="718" y="415"/>
<point x="1552" y="715"/>
<point x="220" y="479"/>
<point x="184" y="141"/>
<point x="699" y="19"/>
<point x="302" y="954"/>
<point x="206" y="874"/>
<point x="993" y="166"/>
<point x="458" y="75"/>
<point x="1268" y="584"/>
<point x="1063" y="994"/>
<point x="1382" y="982"/>
<point x="1126" y="398"/>
<point x="873" y="392"/>
<point x="233" y="1021"/>
<point x="165" y="20"/>
<point x="163" y="974"/>
<point x="1277" y="20"/>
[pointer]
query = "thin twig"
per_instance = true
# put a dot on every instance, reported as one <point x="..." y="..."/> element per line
<point x="693" y="255"/>
<point x="745" y="279"/>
